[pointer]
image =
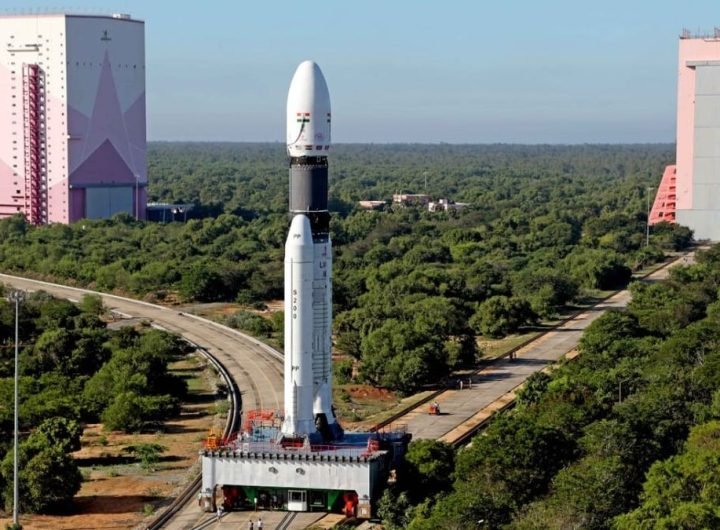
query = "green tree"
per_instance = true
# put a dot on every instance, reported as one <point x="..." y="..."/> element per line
<point x="394" y="509"/>
<point x="684" y="491"/>
<point x="92" y="304"/>
<point x="598" y="268"/>
<point x="545" y="289"/>
<point x="251" y="323"/>
<point x="499" y="316"/>
<point x="48" y="479"/>
<point x="59" y="432"/>
<point x="130" y="412"/>
<point x="148" y="453"/>
<point x="429" y="468"/>
<point x="397" y="355"/>
<point x="201" y="282"/>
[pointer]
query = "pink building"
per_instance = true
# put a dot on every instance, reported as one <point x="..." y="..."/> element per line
<point x="689" y="192"/>
<point x="72" y="117"/>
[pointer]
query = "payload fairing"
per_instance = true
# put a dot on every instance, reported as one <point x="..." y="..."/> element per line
<point x="308" y="262"/>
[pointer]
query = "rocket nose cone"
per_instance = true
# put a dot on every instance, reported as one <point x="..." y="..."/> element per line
<point x="308" y="65"/>
<point x="308" y="70"/>
<point x="308" y="112"/>
<point x="308" y="87"/>
<point x="300" y="233"/>
<point x="299" y="245"/>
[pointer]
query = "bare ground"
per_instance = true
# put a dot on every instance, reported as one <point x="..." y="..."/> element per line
<point x="117" y="492"/>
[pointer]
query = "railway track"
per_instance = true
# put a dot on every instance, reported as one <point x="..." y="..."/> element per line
<point x="242" y="361"/>
<point x="232" y="424"/>
<point x="286" y="521"/>
<point x="207" y="522"/>
<point x="260" y="372"/>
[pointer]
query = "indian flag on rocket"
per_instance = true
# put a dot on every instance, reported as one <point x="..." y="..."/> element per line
<point x="303" y="117"/>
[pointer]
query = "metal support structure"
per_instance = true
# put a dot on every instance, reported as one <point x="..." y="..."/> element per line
<point x="17" y="297"/>
<point x="664" y="206"/>
<point x="35" y="207"/>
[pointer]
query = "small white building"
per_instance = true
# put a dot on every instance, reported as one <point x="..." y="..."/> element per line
<point x="444" y="205"/>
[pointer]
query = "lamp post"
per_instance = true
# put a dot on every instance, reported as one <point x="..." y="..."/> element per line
<point x="17" y="297"/>
<point x="620" y="394"/>
<point x="647" y="226"/>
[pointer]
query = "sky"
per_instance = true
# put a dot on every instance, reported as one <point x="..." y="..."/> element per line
<point x="408" y="71"/>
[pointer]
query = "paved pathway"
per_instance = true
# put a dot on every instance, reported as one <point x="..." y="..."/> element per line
<point x="258" y="373"/>
<point x="271" y="520"/>
<point x="490" y="384"/>
<point x="256" y="368"/>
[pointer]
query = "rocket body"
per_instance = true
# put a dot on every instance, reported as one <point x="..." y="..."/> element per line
<point x="308" y="262"/>
<point x="299" y="257"/>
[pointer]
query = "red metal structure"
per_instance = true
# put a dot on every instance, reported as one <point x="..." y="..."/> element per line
<point x="664" y="207"/>
<point x="261" y="417"/>
<point x="34" y="119"/>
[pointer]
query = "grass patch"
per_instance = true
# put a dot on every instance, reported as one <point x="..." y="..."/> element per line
<point x="222" y="407"/>
<point x="494" y="348"/>
<point x="190" y="368"/>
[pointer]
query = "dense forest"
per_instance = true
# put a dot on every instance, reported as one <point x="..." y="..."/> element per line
<point x="413" y="289"/>
<point x="625" y="436"/>
<point x="74" y="370"/>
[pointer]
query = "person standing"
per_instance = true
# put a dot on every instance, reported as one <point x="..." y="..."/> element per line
<point x="250" y="524"/>
<point x="259" y="524"/>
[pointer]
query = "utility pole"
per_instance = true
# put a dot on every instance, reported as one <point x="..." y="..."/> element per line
<point x="17" y="297"/>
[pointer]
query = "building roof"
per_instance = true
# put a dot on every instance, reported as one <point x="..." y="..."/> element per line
<point x="35" y="14"/>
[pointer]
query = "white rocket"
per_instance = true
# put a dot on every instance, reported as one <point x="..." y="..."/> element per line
<point x="308" y="262"/>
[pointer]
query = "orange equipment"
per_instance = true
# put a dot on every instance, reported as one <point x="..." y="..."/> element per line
<point x="212" y="441"/>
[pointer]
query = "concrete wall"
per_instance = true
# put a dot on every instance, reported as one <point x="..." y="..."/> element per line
<point x="698" y="137"/>
<point x="94" y="127"/>
<point x="106" y="106"/>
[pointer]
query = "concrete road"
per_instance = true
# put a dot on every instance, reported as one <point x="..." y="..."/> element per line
<point x="258" y="372"/>
<point x="270" y="520"/>
<point x="256" y="368"/>
<point x="458" y="406"/>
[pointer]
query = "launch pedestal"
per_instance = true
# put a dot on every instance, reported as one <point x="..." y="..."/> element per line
<point x="347" y="477"/>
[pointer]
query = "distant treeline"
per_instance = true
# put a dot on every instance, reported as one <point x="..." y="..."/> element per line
<point x="412" y="289"/>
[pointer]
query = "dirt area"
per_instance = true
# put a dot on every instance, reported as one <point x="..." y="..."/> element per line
<point x="218" y="310"/>
<point x="117" y="491"/>
<point x="357" y="403"/>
